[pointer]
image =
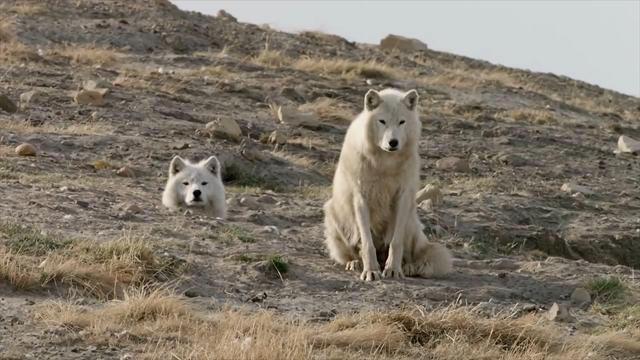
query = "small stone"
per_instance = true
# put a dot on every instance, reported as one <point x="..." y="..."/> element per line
<point x="125" y="171"/>
<point x="267" y="199"/>
<point x="401" y="43"/>
<point x="559" y="312"/>
<point x="89" y="97"/>
<point x="291" y="116"/>
<point x="182" y="146"/>
<point x="453" y="164"/>
<point x="580" y="297"/>
<point x="628" y="145"/>
<point x="26" y="149"/>
<point x="132" y="209"/>
<point x="7" y="105"/>
<point x="430" y="192"/>
<point x="98" y="85"/>
<point x="574" y="188"/>
<point x="30" y="97"/>
<point x="270" y="229"/>
<point x="512" y="159"/>
<point x="277" y="138"/>
<point x="250" y="203"/>
<point x="225" y="128"/>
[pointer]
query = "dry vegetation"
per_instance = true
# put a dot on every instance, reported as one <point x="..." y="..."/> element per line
<point x="90" y="128"/>
<point x="31" y="259"/>
<point x="331" y="110"/>
<point x="87" y="55"/>
<point x="23" y="9"/>
<point x="156" y="324"/>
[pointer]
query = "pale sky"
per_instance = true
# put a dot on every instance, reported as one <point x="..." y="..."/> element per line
<point x="594" y="41"/>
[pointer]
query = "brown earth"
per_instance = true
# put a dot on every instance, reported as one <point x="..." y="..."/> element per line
<point x="519" y="240"/>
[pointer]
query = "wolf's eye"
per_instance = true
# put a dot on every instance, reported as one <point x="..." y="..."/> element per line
<point x="382" y="122"/>
<point x="204" y="183"/>
<point x="402" y="122"/>
<point x="185" y="183"/>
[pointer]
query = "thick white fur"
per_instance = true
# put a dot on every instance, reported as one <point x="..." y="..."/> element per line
<point x="373" y="208"/>
<point x="186" y="178"/>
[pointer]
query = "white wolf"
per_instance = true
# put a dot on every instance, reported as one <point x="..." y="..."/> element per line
<point x="195" y="185"/>
<point x="372" y="212"/>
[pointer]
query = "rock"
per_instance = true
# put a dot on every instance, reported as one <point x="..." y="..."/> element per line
<point x="511" y="159"/>
<point x="30" y="97"/>
<point x="250" y="152"/>
<point x="267" y="199"/>
<point x="89" y="97"/>
<point x="26" y="149"/>
<point x="7" y="105"/>
<point x="453" y="164"/>
<point x="125" y="171"/>
<point x="225" y="128"/>
<point x="292" y="94"/>
<point x="277" y="138"/>
<point x="580" y="297"/>
<point x="250" y="203"/>
<point x="132" y="209"/>
<point x="430" y="192"/>
<point x="101" y="86"/>
<point x="223" y="15"/>
<point x="574" y="188"/>
<point x="270" y="229"/>
<point x="401" y="43"/>
<point x="559" y="312"/>
<point x="291" y="116"/>
<point x="628" y="145"/>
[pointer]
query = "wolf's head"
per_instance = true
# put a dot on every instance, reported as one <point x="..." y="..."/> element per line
<point x="195" y="184"/>
<point x="393" y="118"/>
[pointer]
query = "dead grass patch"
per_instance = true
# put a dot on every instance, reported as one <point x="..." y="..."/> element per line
<point x="91" y="128"/>
<point x="7" y="28"/>
<point x="87" y="55"/>
<point x="12" y="52"/>
<point x="102" y="270"/>
<point x="23" y="9"/>
<point x="159" y="324"/>
<point x="536" y="116"/>
<point x="331" y="110"/>
<point x="272" y="58"/>
<point x="350" y="69"/>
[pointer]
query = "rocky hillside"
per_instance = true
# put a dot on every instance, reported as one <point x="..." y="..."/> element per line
<point x="96" y="97"/>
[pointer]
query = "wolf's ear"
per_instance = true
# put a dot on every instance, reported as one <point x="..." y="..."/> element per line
<point x="177" y="165"/>
<point x="411" y="99"/>
<point x="212" y="164"/>
<point x="372" y="100"/>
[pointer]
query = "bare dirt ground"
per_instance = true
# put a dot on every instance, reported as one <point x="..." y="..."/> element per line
<point x="79" y="243"/>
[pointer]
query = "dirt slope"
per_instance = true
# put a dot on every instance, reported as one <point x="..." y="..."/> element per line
<point x="519" y="240"/>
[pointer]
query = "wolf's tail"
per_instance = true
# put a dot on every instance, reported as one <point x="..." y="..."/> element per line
<point x="430" y="259"/>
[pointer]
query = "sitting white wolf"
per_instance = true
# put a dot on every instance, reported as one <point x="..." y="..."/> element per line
<point x="196" y="186"/>
<point x="372" y="212"/>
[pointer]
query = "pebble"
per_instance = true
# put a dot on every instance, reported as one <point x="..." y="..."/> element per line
<point x="225" y="128"/>
<point x="453" y="164"/>
<point x="26" y="149"/>
<point x="125" y="171"/>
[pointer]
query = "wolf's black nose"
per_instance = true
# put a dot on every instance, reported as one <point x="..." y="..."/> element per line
<point x="393" y="143"/>
<point x="197" y="193"/>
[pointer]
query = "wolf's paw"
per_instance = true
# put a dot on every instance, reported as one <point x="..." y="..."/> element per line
<point x="393" y="273"/>
<point x="368" y="275"/>
<point x="354" y="265"/>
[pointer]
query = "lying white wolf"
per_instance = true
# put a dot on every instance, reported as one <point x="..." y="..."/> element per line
<point x="371" y="218"/>
<point x="195" y="185"/>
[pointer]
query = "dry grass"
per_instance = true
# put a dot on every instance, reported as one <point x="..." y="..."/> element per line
<point x="350" y="69"/>
<point x="12" y="52"/>
<point x="536" y="116"/>
<point x="331" y="110"/>
<point x="159" y="325"/>
<point x="7" y="29"/>
<point x="272" y="58"/>
<point x="70" y="129"/>
<point x="23" y="9"/>
<point x="86" y="55"/>
<point x="101" y="270"/>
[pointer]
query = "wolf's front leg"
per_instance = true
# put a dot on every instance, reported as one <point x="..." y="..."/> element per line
<point x="393" y="266"/>
<point x="371" y="269"/>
